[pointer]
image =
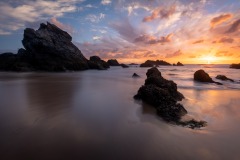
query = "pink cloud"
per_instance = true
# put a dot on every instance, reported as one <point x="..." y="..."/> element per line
<point x="64" y="27"/>
<point x="175" y="54"/>
<point x="220" y="19"/>
<point x="160" y="13"/>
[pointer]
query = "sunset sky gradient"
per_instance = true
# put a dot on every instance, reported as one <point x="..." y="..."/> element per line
<point x="190" y="31"/>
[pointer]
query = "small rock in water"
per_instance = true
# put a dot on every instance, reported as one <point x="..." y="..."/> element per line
<point x="224" y="78"/>
<point x="135" y="75"/>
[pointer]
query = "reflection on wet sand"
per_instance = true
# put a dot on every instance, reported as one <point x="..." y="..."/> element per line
<point x="92" y="115"/>
<point x="51" y="94"/>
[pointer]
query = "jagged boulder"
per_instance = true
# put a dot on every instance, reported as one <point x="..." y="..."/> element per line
<point x="202" y="76"/>
<point x="95" y="62"/>
<point x="162" y="94"/>
<point x="224" y="78"/>
<point x="52" y="50"/>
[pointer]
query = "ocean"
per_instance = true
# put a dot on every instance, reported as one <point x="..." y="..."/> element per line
<point x="92" y="115"/>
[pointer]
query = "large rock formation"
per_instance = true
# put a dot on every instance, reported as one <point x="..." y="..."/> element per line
<point x="202" y="76"/>
<point x="150" y="63"/>
<point x="235" y="66"/>
<point x="163" y="95"/>
<point x="48" y="49"/>
<point x="96" y="63"/>
<point x="52" y="50"/>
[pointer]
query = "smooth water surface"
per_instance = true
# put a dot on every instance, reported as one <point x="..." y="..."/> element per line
<point x="92" y="115"/>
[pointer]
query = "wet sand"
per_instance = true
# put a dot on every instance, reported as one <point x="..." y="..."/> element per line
<point x="92" y="115"/>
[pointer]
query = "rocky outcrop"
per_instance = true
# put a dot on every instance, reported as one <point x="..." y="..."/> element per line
<point x="47" y="49"/>
<point x="156" y="91"/>
<point x="113" y="62"/>
<point x="150" y="63"/>
<point x="135" y="75"/>
<point x="179" y="64"/>
<point x="202" y="76"/>
<point x="224" y="78"/>
<point x="124" y="65"/>
<point x="52" y="50"/>
<point x="163" y="95"/>
<point x="96" y="63"/>
<point x="235" y="66"/>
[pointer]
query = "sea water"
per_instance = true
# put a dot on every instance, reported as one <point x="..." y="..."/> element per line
<point x="92" y="115"/>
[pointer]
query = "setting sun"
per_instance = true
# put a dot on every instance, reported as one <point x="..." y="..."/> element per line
<point x="209" y="59"/>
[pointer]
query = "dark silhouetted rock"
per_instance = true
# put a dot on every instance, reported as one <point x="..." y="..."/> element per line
<point x="150" y="63"/>
<point x="20" y="62"/>
<point x="179" y="64"/>
<point x="202" y="76"/>
<point x="124" y="66"/>
<point x="235" y="66"/>
<point x="52" y="49"/>
<point x="96" y="63"/>
<point x="135" y="75"/>
<point x="224" y="78"/>
<point x="174" y="64"/>
<point x="133" y="64"/>
<point x="46" y="49"/>
<point x="163" y="95"/>
<point x="113" y="62"/>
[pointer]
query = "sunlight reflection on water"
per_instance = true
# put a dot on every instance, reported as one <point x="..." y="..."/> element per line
<point x="92" y="115"/>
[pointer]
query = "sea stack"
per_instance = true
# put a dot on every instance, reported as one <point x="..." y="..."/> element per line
<point x="163" y="95"/>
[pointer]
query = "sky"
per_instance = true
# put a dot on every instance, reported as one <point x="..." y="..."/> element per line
<point x="133" y="31"/>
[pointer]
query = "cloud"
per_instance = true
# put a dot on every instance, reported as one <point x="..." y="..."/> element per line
<point x="96" y="37"/>
<point x="106" y="2"/>
<point x="175" y="54"/>
<point x="125" y="29"/>
<point x="17" y="14"/>
<point x="2" y="32"/>
<point x="160" y="13"/>
<point x="90" y="6"/>
<point x="149" y="39"/>
<point x="95" y="18"/>
<point x="198" y="41"/>
<point x="234" y="27"/>
<point x="223" y="54"/>
<point x="64" y="27"/>
<point x="135" y="6"/>
<point x="226" y="40"/>
<point x="220" y="19"/>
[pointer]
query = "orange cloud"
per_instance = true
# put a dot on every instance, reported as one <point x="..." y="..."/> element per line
<point x="226" y="40"/>
<point x="198" y="41"/>
<point x="234" y="27"/>
<point x="220" y="19"/>
<point x="160" y="13"/>
<point x="175" y="54"/>
<point x="148" y="39"/>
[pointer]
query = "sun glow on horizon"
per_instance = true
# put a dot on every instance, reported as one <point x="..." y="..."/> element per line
<point x="209" y="59"/>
